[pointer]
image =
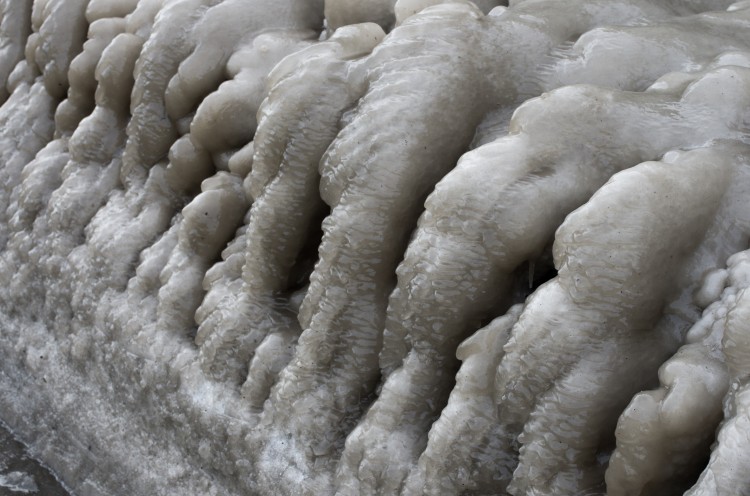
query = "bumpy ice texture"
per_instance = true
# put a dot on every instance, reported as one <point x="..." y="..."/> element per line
<point x="377" y="247"/>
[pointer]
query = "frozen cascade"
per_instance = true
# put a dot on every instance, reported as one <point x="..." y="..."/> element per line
<point x="377" y="247"/>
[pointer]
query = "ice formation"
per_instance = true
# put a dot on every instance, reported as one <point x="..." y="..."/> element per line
<point x="377" y="247"/>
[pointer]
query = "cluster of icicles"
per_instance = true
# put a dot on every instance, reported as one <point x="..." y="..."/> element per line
<point x="379" y="247"/>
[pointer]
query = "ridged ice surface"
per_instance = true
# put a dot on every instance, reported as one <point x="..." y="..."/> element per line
<point x="416" y="247"/>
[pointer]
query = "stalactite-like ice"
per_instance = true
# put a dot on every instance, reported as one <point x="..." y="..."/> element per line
<point x="377" y="247"/>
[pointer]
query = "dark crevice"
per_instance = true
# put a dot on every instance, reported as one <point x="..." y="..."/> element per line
<point x="531" y="274"/>
<point x="299" y="275"/>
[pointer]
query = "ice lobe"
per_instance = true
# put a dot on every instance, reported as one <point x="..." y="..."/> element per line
<point x="677" y="422"/>
<point x="728" y="463"/>
<point x="80" y="103"/>
<point x="374" y="186"/>
<point x="498" y="209"/>
<point x="59" y="31"/>
<point x="15" y="26"/>
<point x="208" y="223"/>
<point x="225" y="120"/>
<point x="465" y="451"/>
<point x="250" y="250"/>
<point x="680" y="44"/>
<point x="221" y="30"/>
<point x="525" y="198"/>
<point x="156" y="188"/>
<point x="643" y="323"/>
<point x="284" y="183"/>
<point x="375" y="427"/>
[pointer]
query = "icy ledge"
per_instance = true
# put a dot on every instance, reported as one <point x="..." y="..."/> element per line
<point x="384" y="247"/>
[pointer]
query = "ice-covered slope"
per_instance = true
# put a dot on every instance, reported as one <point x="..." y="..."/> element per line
<point x="377" y="247"/>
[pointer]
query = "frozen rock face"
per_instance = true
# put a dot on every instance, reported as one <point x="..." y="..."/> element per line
<point x="377" y="247"/>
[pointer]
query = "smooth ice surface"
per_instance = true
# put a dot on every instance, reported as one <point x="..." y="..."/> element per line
<point x="20" y="473"/>
<point x="377" y="246"/>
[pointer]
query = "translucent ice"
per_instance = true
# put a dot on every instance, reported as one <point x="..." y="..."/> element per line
<point x="377" y="247"/>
